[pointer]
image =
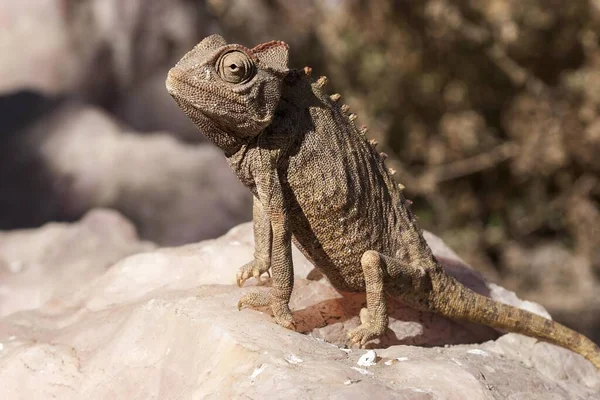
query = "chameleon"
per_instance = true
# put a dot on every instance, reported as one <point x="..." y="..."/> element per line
<point x="320" y="183"/>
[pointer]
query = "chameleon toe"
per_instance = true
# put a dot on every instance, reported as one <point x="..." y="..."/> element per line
<point x="253" y="269"/>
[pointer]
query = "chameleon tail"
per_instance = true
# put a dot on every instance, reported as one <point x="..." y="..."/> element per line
<point x="459" y="302"/>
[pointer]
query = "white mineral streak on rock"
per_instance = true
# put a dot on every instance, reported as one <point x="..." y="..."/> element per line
<point x="293" y="359"/>
<point x="478" y="352"/>
<point x="258" y="371"/>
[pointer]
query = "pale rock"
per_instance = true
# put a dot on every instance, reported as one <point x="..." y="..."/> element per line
<point x="164" y="324"/>
<point x="39" y="265"/>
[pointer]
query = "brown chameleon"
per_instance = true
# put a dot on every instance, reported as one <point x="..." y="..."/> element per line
<point x="317" y="181"/>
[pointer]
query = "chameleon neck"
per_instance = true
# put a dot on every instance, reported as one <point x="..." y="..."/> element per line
<point x="230" y="144"/>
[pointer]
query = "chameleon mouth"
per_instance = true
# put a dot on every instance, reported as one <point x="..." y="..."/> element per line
<point x="176" y="83"/>
<point x="173" y="80"/>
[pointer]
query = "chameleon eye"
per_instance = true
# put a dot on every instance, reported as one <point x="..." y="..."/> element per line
<point x="235" y="67"/>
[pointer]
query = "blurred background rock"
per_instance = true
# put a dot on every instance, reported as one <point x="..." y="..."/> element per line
<point x="489" y="110"/>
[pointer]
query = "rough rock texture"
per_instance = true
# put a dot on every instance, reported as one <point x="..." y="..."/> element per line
<point x="163" y="324"/>
<point x="38" y="266"/>
<point x="174" y="192"/>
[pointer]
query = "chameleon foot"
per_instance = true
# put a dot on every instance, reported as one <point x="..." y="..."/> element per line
<point x="254" y="269"/>
<point x="364" y="333"/>
<point x="260" y="298"/>
<point x="367" y="330"/>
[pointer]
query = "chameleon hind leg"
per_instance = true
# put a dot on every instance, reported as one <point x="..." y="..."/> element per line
<point x="374" y="318"/>
<point x="382" y="272"/>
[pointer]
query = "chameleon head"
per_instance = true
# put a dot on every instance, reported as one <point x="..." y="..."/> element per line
<point x="228" y="90"/>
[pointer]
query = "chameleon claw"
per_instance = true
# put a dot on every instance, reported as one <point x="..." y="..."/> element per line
<point x="286" y="324"/>
<point x="366" y="331"/>
<point x="253" y="269"/>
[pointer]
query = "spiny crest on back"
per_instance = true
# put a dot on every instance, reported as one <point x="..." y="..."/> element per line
<point x="318" y="86"/>
<point x="321" y="82"/>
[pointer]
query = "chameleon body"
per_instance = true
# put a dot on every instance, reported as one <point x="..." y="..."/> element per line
<point x="318" y="182"/>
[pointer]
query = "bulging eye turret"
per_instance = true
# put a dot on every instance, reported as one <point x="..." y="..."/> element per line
<point x="235" y="67"/>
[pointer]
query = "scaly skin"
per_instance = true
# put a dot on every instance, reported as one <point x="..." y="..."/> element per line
<point x="318" y="182"/>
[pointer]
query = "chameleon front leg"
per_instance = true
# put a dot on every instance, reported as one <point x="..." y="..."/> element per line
<point x="263" y="237"/>
<point x="282" y="269"/>
<point x="283" y="277"/>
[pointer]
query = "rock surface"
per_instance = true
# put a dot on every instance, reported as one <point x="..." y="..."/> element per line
<point x="162" y="323"/>
<point x="41" y="266"/>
